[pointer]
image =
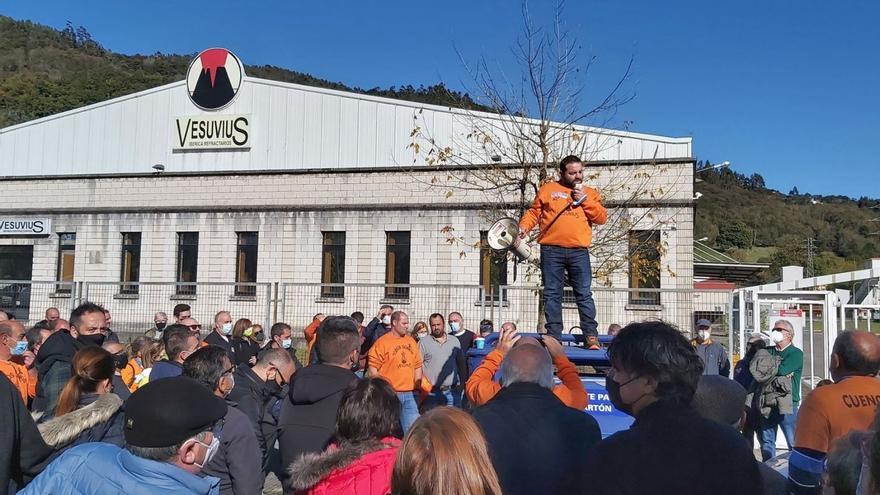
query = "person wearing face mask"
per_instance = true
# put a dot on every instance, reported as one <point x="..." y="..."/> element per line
<point x="87" y="324"/>
<point x="456" y="327"/>
<point x="165" y="448"/>
<point x="87" y="409"/>
<point x="281" y="337"/>
<point x="237" y="462"/>
<point x="221" y="335"/>
<point x="14" y="344"/>
<point x="120" y="362"/>
<point x="419" y="331"/>
<point x="669" y="448"/>
<point x="712" y="353"/>
<point x="160" y="321"/>
<point x="308" y="412"/>
<point x="256" y="387"/>
<point x="780" y="392"/>
<point x="378" y="326"/>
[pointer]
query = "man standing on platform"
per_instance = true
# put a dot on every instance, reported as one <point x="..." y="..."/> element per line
<point x="566" y="213"/>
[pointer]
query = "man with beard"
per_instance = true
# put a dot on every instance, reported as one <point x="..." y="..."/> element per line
<point x="566" y="213"/>
<point x="87" y="327"/>
<point x="441" y="358"/>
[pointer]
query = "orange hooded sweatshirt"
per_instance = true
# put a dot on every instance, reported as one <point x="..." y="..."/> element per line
<point x="574" y="227"/>
<point x="480" y="388"/>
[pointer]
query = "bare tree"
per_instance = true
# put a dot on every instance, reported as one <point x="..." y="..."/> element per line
<point x="540" y="117"/>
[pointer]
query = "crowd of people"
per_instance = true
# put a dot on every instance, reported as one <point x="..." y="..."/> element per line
<point x="390" y="407"/>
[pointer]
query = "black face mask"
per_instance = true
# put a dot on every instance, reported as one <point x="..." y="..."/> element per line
<point x="613" y="389"/>
<point x="259" y="336"/>
<point x="160" y="325"/>
<point x="120" y="360"/>
<point x="95" y="340"/>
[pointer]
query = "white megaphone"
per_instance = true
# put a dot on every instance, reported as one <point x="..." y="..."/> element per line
<point x="503" y="235"/>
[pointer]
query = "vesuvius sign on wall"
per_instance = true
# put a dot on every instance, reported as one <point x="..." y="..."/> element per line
<point x="25" y="226"/>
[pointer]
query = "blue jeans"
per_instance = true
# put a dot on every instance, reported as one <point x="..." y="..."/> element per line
<point x="555" y="262"/>
<point x="439" y="398"/>
<point x="767" y="431"/>
<point x="409" y="409"/>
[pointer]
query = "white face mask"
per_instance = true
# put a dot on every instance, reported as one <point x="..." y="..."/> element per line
<point x="704" y="334"/>
<point x="776" y="336"/>
<point x="422" y="335"/>
<point x="226" y="328"/>
<point x="286" y="343"/>
<point x="454" y="326"/>
<point x="386" y="320"/>
<point x="212" y="451"/>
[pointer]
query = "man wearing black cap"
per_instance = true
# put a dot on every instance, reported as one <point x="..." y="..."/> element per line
<point x="166" y="447"/>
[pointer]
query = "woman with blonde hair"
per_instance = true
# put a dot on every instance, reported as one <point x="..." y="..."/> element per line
<point x="87" y="411"/>
<point x="141" y="354"/>
<point x="244" y="349"/>
<point x="445" y="453"/>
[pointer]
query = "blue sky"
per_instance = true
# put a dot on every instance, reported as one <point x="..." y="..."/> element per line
<point x="789" y="89"/>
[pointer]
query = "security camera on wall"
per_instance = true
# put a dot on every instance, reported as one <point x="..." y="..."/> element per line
<point x="159" y="168"/>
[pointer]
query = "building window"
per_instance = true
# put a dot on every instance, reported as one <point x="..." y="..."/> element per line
<point x="131" y="262"/>
<point x="66" y="255"/>
<point x="246" y="264"/>
<point x="644" y="267"/>
<point x="493" y="270"/>
<point x="187" y="261"/>
<point x="396" y="264"/>
<point x="333" y="264"/>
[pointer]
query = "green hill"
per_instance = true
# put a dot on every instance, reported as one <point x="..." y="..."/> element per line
<point x="44" y="71"/>
<point x="741" y="216"/>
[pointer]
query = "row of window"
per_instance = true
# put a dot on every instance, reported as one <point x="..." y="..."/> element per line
<point x="644" y="264"/>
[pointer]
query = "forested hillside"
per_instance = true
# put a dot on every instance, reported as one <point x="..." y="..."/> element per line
<point x="45" y="71"/>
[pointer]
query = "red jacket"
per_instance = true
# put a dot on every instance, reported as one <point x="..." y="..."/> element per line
<point x="363" y="469"/>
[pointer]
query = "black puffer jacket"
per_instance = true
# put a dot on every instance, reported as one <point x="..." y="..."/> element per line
<point x="22" y="450"/>
<point x="308" y="415"/>
<point x="53" y="369"/>
<point x="98" y="418"/>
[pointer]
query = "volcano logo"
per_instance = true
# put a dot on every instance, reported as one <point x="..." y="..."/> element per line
<point x="214" y="78"/>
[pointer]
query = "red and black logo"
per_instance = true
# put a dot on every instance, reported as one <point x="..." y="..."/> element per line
<point x="214" y="78"/>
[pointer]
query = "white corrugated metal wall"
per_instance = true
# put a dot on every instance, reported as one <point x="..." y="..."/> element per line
<point x="292" y="127"/>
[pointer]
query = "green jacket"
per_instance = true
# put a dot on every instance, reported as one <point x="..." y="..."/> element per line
<point x="792" y="362"/>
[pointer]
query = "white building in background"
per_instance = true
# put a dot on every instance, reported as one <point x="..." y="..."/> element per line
<point x="304" y="186"/>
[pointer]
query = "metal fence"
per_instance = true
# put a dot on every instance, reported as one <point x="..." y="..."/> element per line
<point x="298" y="303"/>
<point x="861" y="317"/>
<point x="132" y="304"/>
<point x="682" y="307"/>
<point x="27" y="300"/>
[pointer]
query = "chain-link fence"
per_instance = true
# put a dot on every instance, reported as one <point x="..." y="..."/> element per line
<point x="133" y="304"/>
<point x="27" y="300"/>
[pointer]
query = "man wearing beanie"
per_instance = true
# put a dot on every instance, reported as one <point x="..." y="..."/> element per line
<point x="169" y="438"/>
